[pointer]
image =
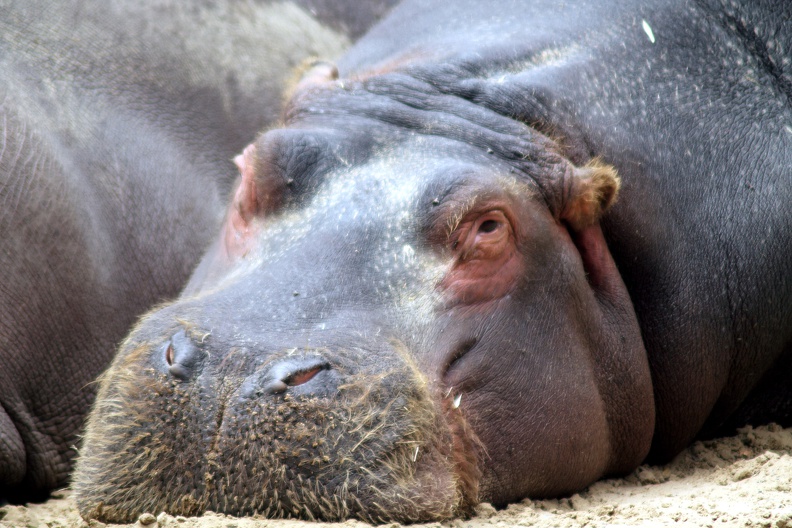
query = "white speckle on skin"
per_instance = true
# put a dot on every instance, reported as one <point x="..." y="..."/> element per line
<point x="408" y="254"/>
<point x="457" y="401"/>
<point x="415" y="455"/>
<point x="544" y="58"/>
<point x="648" y="30"/>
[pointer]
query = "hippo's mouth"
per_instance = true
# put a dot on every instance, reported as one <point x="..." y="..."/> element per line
<point x="317" y="439"/>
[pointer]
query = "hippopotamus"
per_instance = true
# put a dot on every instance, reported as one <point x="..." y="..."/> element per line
<point x="496" y="251"/>
<point x="119" y="122"/>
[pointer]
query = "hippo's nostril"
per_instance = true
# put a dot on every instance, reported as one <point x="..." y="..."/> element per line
<point x="298" y="375"/>
<point x="293" y="372"/>
<point x="279" y="386"/>
<point x="304" y="376"/>
<point x="182" y="356"/>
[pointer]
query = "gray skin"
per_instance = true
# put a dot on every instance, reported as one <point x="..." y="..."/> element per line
<point x="118" y="123"/>
<point x="424" y="296"/>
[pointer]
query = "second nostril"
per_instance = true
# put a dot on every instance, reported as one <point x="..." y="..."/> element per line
<point x="293" y="374"/>
<point x="278" y="386"/>
<point x="182" y="356"/>
<point x="303" y="376"/>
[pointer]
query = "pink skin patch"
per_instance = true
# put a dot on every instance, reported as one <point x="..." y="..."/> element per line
<point x="487" y="263"/>
<point x="239" y="229"/>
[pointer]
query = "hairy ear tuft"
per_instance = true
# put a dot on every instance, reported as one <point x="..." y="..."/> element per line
<point x="592" y="191"/>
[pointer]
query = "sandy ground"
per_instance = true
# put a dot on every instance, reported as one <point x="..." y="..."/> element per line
<point x="745" y="480"/>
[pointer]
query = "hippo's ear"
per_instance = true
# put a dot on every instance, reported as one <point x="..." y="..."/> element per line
<point x="310" y="73"/>
<point x="247" y="203"/>
<point x="589" y="193"/>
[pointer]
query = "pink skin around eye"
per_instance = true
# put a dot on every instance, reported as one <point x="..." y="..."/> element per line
<point x="487" y="263"/>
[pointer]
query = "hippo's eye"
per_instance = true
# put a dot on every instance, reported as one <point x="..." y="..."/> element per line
<point x="487" y="262"/>
<point x="483" y="236"/>
<point x="488" y="226"/>
<point x="487" y="235"/>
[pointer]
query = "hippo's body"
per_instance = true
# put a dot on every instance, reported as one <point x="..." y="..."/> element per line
<point x="422" y="298"/>
<point x="118" y="122"/>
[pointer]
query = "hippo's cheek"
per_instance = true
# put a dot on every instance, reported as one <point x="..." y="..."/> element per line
<point x="535" y="436"/>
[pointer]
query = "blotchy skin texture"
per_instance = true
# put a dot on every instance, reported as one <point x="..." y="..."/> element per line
<point x="118" y="122"/>
<point x="426" y="294"/>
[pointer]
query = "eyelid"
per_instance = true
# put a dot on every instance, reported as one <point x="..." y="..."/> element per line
<point x="469" y="214"/>
<point x="449" y="218"/>
<point x="465" y="240"/>
<point x="488" y="225"/>
<point x="495" y="215"/>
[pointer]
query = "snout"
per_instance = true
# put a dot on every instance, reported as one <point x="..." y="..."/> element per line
<point x="191" y="422"/>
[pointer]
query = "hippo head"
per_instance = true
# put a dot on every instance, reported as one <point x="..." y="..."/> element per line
<point x="411" y="308"/>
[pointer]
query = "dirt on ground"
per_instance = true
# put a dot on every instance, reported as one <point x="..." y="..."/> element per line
<point x="745" y="480"/>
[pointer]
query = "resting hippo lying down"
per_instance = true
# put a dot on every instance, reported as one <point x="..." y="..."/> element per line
<point x="424" y="295"/>
<point x="118" y="123"/>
